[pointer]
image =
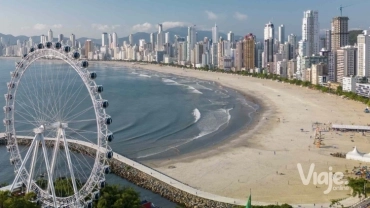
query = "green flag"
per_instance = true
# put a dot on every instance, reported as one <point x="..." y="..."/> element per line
<point x="249" y="203"/>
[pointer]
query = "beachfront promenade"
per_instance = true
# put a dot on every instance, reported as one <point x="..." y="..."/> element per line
<point x="177" y="184"/>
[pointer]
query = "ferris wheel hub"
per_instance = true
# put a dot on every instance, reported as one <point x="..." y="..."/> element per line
<point x="39" y="130"/>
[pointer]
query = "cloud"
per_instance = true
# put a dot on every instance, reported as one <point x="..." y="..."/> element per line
<point x="57" y="26"/>
<point x="25" y="28"/>
<point x="100" y="26"/>
<point x="142" y="27"/>
<point x="240" y="16"/>
<point x="211" y="15"/>
<point x="39" y="26"/>
<point x="115" y="26"/>
<point x="168" y="25"/>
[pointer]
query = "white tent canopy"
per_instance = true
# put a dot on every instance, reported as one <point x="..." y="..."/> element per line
<point x="356" y="155"/>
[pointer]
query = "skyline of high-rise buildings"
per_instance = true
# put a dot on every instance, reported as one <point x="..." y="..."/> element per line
<point x="278" y="53"/>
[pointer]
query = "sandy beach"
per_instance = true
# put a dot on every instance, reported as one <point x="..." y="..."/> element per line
<point x="264" y="156"/>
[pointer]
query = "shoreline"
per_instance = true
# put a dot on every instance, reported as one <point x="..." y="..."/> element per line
<point x="264" y="155"/>
<point x="255" y="124"/>
<point x="252" y="162"/>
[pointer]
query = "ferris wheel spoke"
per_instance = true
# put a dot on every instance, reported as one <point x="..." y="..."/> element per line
<point x="79" y="113"/>
<point x="73" y="103"/>
<point x="31" y="104"/>
<point x="88" y="140"/>
<point x="69" y="87"/>
<point x="82" y="131"/>
<point x="39" y="114"/>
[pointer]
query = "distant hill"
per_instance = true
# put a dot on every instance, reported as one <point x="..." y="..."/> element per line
<point x="180" y="31"/>
<point x="353" y="36"/>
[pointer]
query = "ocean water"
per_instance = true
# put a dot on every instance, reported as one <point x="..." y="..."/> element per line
<point x="155" y="115"/>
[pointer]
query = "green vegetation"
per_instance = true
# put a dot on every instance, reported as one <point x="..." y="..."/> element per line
<point x="110" y="196"/>
<point x="118" y="197"/>
<point x="9" y="201"/>
<point x="353" y="36"/>
<point x="359" y="186"/>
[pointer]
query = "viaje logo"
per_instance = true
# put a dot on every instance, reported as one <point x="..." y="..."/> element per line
<point x="327" y="178"/>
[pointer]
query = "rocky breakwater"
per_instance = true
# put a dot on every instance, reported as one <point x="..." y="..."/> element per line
<point x="145" y="180"/>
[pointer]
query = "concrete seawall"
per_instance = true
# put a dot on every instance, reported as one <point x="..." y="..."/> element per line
<point x="150" y="179"/>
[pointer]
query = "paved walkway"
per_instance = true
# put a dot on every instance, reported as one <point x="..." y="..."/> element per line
<point x="177" y="184"/>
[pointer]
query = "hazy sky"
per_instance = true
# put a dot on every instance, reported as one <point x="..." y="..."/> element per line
<point x="89" y="18"/>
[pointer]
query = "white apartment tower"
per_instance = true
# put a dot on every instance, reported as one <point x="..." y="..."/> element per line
<point x="131" y="39"/>
<point x="310" y="31"/>
<point x="115" y="40"/>
<point x="230" y="37"/>
<point x="167" y="37"/>
<point x="60" y="38"/>
<point x="160" y="28"/>
<point x="281" y="34"/>
<point x="109" y="40"/>
<point x="160" y="38"/>
<point x="268" y="52"/>
<point x="215" y="34"/>
<point x="346" y="62"/>
<point x="104" y="39"/>
<point x="363" y="54"/>
<point x="72" y="38"/>
<point x="50" y="35"/>
<point x="191" y="39"/>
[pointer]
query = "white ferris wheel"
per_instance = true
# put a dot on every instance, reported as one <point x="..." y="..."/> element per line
<point x="57" y="128"/>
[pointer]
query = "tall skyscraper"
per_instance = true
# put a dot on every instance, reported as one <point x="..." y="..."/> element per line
<point x="281" y="34"/>
<point x="104" y="39"/>
<point x="268" y="52"/>
<point x="346" y="62"/>
<point x="152" y="38"/>
<point x="230" y="37"/>
<point x="50" y="35"/>
<point x="115" y="40"/>
<point x="60" y="38"/>
<point x="339" y="33"/>
<point x="191" y="39"/>
<point x="30" y="42"/>
<point x="292" y="40"/>
<point x="363" y="54"/>
<point x="167" y="37"/>
<point x="72" y="38"/>
<point x="215" y="34"/>
<point x="310" y="31"/>
<point x="88" y="48"/>
<point x="160" y="38"/>
<point x="131" y="39"/>
<point x="249" y="51"/>
<point x="160" y="28"/>
<point x="328" y="40"/>
<point x="109" y="40"/>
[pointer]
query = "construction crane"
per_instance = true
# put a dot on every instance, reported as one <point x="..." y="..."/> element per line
<point x="341" y="8"/>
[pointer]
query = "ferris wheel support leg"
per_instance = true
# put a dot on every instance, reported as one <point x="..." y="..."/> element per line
<point x="33" y="163"/>
<point x="66" y="148"/>
<point x="47" y="164"/>
<point x="55" y="154"/>
<point x="23" y="164"/>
